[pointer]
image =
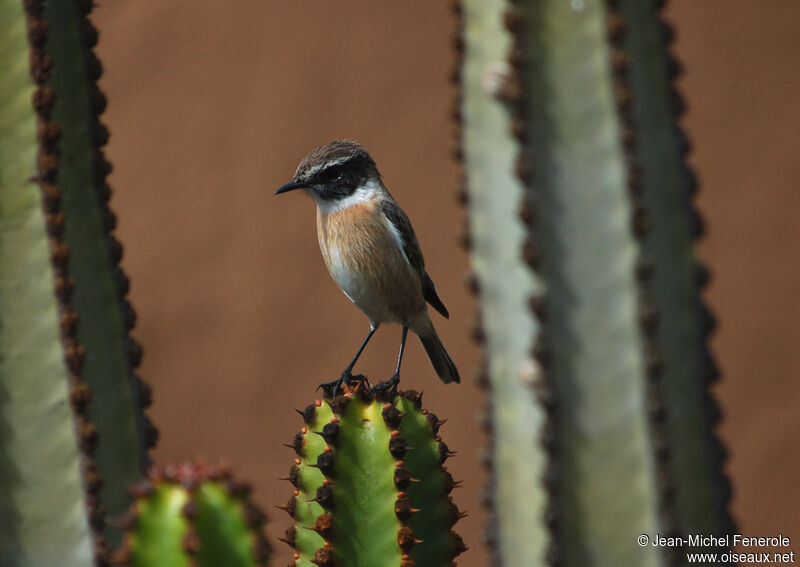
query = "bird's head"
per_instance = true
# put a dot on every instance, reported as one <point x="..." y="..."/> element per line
<point x="334" y="172"/>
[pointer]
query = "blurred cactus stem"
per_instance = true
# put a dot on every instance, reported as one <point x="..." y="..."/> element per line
<point x="369" y="486"/>
<point x="72" y="430"/>
<point x="702" y="490"/>
<point x="192" y="515"/>
<point x="581" y="236"/>
<point x="504" y="284"/>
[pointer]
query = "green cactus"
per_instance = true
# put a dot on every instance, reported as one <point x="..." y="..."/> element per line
<point x="684" y="320"/>
<point x="578" y="193"/>
<point x="105" y="317"/>
<point x="192" y="514"/>
<point x="370" y="489"/>
<point x="495" y="237"/>
<point x="72" y="430"/>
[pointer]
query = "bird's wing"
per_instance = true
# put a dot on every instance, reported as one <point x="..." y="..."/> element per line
<point x="429" y="292"/>
<point x="408" y="240"/>
<point x="410" y="246"/>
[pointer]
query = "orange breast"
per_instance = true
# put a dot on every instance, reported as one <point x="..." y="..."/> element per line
<point x="365" y="261"/>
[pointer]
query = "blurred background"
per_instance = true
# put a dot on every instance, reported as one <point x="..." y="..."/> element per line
<point x="212" y="105"/>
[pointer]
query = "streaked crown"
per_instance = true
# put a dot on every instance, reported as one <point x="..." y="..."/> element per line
<point x="335" y="170"/>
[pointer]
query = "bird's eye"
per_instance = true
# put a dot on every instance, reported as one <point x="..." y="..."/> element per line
<point x="339" y="178"/>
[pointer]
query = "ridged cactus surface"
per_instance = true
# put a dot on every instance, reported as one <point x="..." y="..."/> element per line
<point x="192" y="514"/>
<point x="72" y="430"/>
<point x="370" y="488"/>
<point x="595" y="345"/>
<point x="43" y="463"/>
<point x="581" y="236"/>
<point x="493" y="195"/>
<point x="104" y="316"/>
<point x="668" y="186"/>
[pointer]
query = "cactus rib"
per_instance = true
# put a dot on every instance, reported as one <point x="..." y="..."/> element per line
<point x="648" y="313"/>
<point x="592" y="346"/>
<point x="702" y="492"/>
<point x="105" y="316"/>
<point x="495" y="165"/>
<point x="46" y="435"/>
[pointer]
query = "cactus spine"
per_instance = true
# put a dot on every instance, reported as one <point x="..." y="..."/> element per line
<point x="370" y="489"/>
<point x="583" y="115"/>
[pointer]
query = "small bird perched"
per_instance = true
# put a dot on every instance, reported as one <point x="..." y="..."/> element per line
<point x="371" y="252"/>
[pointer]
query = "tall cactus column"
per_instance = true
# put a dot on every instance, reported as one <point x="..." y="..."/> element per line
<point x="503" y="283"/>
<point x="702" y="491"/>
<point x="72" y="430"/>
<point x="569" y="122"/>
<point x="105" y="316"/>
<point x="597" y="350"/>
<point x="43" y="464"/>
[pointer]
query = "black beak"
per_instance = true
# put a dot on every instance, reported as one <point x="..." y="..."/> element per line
<point x="291" y="186"/>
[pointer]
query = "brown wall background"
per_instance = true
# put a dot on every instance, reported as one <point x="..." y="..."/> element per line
<point x="213" y="104"/>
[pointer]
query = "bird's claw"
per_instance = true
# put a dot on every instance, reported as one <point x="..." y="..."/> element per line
<point x="330" y="388"/>
<point x="386" y="389"/>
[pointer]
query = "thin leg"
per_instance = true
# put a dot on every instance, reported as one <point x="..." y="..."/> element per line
<point x="400" y="355"/>
<point x="350" y="366"/>
<point x="347" y="375"/>
<point x="391" y="384"/>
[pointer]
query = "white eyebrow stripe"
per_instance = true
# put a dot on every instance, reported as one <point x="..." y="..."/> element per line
<point x="317" y="168"/>
<point x="337" y="161"/>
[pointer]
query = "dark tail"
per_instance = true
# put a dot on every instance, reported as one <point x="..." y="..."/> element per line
<point x="441" y="361"/>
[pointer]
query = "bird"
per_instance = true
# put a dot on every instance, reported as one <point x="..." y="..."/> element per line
<point x="372" y="253"/>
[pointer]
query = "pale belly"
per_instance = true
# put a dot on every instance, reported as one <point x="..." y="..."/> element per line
<point x="369" y="267"/>
<point x="358" y="290"/>
<point x="384" y="295"/>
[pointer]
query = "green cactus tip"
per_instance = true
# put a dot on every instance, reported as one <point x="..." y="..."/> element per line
<point x="192" y="514"/>
<point x="370" y="488"/>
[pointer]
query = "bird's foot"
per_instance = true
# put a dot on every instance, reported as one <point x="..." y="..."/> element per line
<point x="331" y="388"/>
<point x="386" y="390"/>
